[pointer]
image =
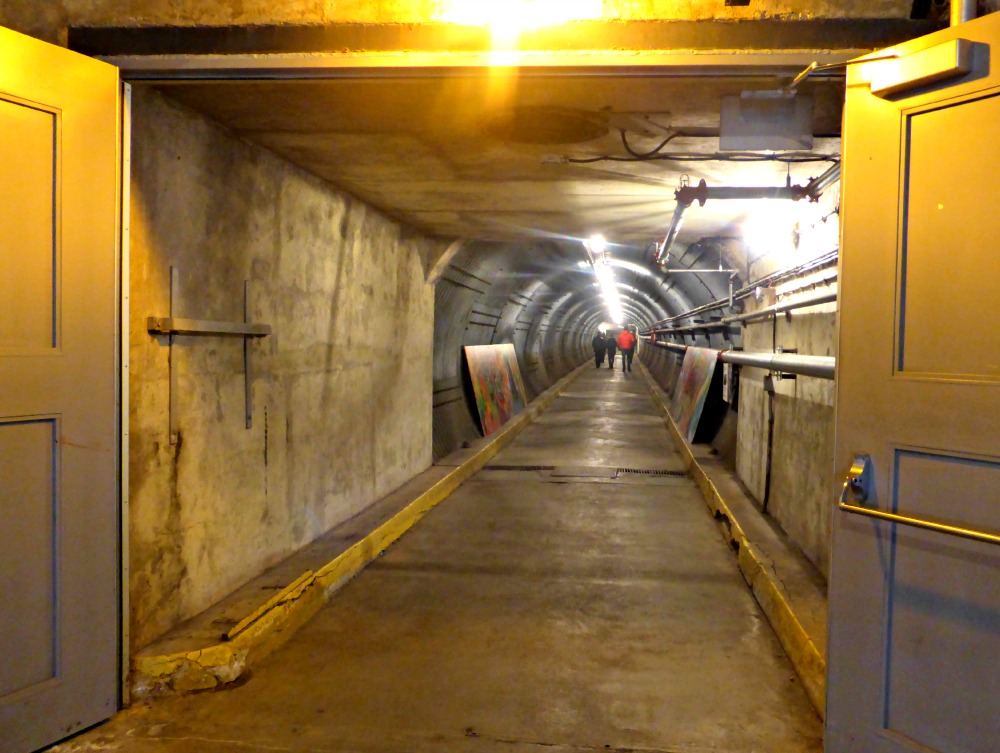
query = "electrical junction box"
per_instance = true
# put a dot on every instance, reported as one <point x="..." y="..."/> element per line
<point x="766" y="120"/>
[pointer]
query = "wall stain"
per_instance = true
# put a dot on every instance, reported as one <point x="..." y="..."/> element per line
<point x="265" y="437"/>
<point x="219" y="413"/>
<point x="265" y="454"/>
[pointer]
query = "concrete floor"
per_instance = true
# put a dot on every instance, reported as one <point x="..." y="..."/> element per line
<point x="553" y="608"/>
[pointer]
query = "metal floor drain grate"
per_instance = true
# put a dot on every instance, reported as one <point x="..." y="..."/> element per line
<point x="518" y="467"/>
<point x="586" y="471"/>
<point x="648" y="472"/>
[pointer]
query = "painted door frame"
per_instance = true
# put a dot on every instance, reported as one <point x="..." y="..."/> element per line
<point x="124" y="570"/>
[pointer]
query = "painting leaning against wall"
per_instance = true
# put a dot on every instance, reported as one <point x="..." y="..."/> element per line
<point x="496" y="382"/>
<point x="692" y="389"/>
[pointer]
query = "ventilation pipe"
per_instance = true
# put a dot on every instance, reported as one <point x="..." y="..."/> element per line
<point x="816" y="186"/>
<point x="663" y="250"/>
<point x="686" y="195"/>
<point x="824" y="261"/>
<point x="821" y="367"/>
<point x="702" y="193"/>
<point x="764" y="313"/>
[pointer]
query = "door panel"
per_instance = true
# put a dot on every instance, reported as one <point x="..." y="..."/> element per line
<point x="943" y="612"/>
<point x="28" y="213"/>
<point x="915" y="611"/>
<point x="59" y="425"/>
<point x="27" y="476"/>
<point x="945" y="220"/>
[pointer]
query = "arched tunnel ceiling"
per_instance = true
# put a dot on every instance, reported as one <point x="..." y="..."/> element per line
<point x="552" y="279"/>
<point x="536" y="155"/>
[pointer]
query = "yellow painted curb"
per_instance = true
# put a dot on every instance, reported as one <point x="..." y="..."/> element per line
<point x="809" y="663"/>
<point x="274" y="622"/>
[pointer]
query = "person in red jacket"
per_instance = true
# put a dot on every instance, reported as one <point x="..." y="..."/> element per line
<point x="626" y="344"/>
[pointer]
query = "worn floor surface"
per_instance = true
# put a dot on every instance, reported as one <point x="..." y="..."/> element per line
<point x="560" y="600"/>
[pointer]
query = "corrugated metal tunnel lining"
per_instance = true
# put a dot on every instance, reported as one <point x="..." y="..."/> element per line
<point x="542" y="298"/>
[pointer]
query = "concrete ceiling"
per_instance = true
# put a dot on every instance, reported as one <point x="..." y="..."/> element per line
<point x="440" y="135"/>
<point x="487" y="155"/>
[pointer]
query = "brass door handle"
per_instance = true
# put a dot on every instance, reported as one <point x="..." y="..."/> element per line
<point x="859" y="483"/>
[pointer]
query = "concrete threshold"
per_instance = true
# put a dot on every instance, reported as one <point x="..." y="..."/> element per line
<point x="219" y="645"/>
<point x="789" y="590"/>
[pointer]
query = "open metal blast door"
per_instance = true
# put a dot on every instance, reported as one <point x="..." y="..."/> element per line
<point x="59" y="454"/>
<point x="914" y="648"/>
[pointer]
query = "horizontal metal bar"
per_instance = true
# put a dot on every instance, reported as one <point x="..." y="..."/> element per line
<point x="672" y="271"/>
<point x="702" y="193"/>
<point x="820" y="262"/>
<point x="703" y="327"/>
<point x="675" y="347"/>
<point x="932" y="525"/>
<point x="365" y="64"/>
<point x="176" y="326"/>
<point x="729" y="321"/>
<point x="822" y="367"/>
<point x="781" y="308"/>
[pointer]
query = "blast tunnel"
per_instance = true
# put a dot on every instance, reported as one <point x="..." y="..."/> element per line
<point x="543" y="298"/>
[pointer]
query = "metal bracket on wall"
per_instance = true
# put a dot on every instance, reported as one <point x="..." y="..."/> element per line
<point x="172" y="326"/>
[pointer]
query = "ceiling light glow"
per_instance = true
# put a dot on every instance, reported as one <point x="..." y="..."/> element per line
<point x="769" y="230"/>
<point x="597" y="249"/>
<point x="513" y="17"/>
<point x="790" y="232"/>
<point x="597" y="245"/>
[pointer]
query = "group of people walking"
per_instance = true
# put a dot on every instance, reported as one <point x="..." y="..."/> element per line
<point x="607" y="345"/>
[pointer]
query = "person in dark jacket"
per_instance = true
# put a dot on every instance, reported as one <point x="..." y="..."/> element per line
<point x="626" y="343"/>
<point x="600" y="345"/>
<point x="610" y="345"/>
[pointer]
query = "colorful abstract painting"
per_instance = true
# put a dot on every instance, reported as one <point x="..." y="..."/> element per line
<point x="496" y="381"/>
<point x="692" y="389"/>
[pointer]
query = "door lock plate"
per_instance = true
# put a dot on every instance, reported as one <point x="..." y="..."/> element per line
<point x="858" y="484"/>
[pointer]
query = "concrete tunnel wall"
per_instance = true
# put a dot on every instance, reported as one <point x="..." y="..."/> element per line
<point x="802" y="484"/>
<point x="341" y="389"/>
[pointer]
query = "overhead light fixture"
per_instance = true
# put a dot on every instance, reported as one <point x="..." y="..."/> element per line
<point x="597" y="249"/>
<point x="597" y="246"/>
<point x="508" y="20"/>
